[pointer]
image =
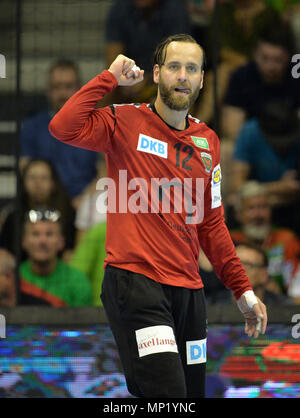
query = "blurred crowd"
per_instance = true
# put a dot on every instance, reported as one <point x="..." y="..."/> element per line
<point x="63" y="234"/>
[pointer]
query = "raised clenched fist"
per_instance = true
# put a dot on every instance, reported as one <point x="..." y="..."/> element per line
<point x="125" y="71"/>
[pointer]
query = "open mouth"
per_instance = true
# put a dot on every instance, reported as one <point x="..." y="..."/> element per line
<point x="182" y="90"/>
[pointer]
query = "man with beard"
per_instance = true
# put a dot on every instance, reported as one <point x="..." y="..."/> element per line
<point x="127" y="28"/>
<point x="253" y="211"/>
<point x="152" y="292"/>
<point x="45" y="279"/>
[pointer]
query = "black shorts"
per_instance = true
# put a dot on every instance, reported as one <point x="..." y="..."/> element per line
<point x="160" y="332"/>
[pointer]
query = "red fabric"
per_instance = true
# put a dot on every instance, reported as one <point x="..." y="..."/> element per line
<point x="164" y="248"/>
<point x="34" y="290"/>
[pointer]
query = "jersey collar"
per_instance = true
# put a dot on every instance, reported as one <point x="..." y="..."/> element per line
<point x="187" y="123"/>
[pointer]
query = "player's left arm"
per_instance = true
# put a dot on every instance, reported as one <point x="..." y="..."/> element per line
<point x="216" y="242"/>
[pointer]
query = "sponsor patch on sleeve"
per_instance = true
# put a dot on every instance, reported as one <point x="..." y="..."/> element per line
<point x="157" y="339"/>
<point x="216" y="178"/>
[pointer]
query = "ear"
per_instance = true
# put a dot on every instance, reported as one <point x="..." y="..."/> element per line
<point x="156" y="71"/>
<point x="202" y="79"/>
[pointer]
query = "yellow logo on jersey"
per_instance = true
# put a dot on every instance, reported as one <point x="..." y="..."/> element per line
<point x="217" y="176"/>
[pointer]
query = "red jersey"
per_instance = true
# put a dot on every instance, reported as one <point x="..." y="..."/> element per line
<point x="141" y="150"/>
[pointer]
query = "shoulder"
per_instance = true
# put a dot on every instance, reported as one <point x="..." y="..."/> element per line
<point x="284" y="235"/>
<point x="197" y="127"/>
<point x="128" y="107"/>
<point x="131" y="110"/>
<point x="206" y="141"/>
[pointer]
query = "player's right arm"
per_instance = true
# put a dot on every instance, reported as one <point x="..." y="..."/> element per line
<point x="78" y="123"/>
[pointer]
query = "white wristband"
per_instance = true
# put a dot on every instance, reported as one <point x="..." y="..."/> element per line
<point x="250" y="298"/>
<point x="248" y="302"/>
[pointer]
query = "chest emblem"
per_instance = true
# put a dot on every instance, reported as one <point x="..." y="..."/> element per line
<point x="152" y="146"/>
<point x="207" y="161"/>
<point x="200" y="142"/>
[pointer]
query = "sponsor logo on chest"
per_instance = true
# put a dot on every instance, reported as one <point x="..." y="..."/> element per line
<point x="200" y="142"/>
<point x="207" y="161"/>
<point x="152" y="146"/>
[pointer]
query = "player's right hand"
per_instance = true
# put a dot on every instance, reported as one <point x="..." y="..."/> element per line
<point x="125" y="71"/>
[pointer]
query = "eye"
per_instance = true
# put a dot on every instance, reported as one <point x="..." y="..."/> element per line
<point x="173" y="67"/>
<point x="192" y="68"/>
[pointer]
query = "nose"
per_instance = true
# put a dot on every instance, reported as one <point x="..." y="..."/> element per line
<point x="182" y="74"/>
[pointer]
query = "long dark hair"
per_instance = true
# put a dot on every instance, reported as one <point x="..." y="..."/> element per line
<point x="58" y="198"/>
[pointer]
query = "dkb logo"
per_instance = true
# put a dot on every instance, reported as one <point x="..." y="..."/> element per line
<point x="2" y="66"/>
<point x="196" y="351"/>
<point x="2" y="326"/>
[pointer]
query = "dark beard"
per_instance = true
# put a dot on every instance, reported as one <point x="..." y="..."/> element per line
<point x="178" y="103"/>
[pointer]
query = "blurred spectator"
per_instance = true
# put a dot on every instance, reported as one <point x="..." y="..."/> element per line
<point x="76" y="167"/>
<point x="294" y="287"/>
<point x="89" y="257"/>
<point x="8" y="294"/>
<point x="134" y="28"/>
<point x="268" y="77"/>
<point x="253" y="211"/>
<point x="40" y="186"/>
<point x="268" y="150"/>
<point x="87" y="214"/>
<point x="255" y="262"/>
<point x="46" y="280"/>
<point x="240" y="23"/>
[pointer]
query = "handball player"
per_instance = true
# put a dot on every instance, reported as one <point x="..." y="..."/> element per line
<point x="152" y="292"/>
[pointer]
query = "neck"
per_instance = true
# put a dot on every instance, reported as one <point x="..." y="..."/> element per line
<point x="43" y="268"/>
<point x="174" y="118"/>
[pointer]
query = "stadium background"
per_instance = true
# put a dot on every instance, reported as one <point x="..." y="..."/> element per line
<point x="71" y="353"/>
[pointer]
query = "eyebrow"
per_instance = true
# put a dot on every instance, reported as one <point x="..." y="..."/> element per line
<point x="178" y="62"/>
